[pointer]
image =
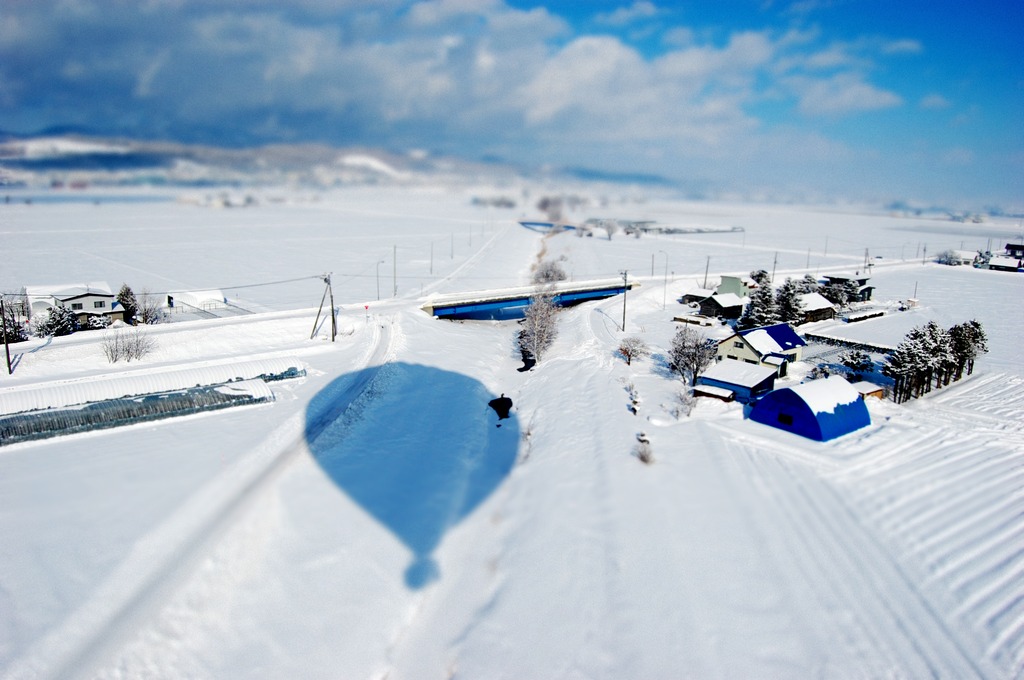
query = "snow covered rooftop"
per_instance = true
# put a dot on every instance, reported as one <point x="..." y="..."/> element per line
<point x="728" y="299"/>
<point x="738" y="373"/>
<point x="771" y="339"/>
<point x="813" y="302"/>
<point x="824" y="396"/>
<point x="67" y="291"/>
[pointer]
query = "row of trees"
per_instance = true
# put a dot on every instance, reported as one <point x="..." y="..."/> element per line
<point x="768" y="306"/>
<point x="930" y="356"/>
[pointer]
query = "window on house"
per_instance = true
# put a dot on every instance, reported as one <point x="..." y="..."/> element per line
<point x="750" y="361"/>
<point x="738" y="344"/>
<point x="99" y="304"/>
<point x="785" y="419"/>
<point x="76" y="305"/>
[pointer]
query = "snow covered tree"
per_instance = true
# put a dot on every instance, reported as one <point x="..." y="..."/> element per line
<point x="808" y="284"/>
<point x="549" y="271"/>
<point x="760" y="310"/>
<point x="538" y="331"/>
<point x="857" y="362"/>
<point x="691" y="352"/>
<point x="98" y="322"/>
<point x="787" y="302"/>
<point x="633" y="348"/>
<point x="761" y="278"/>
<point x="969" y="340"/>
<point x="612" y="227"/>
<point x="60" y="321"/>
<point x="129" y="304"/>
<point x="841" y="294"/>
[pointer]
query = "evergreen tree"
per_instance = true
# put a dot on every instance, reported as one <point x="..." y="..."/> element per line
<point x="787" y="302"/>
<point x="969" y="340"/>
<point x="761" y="278"/>
<point x="760" y="311"/>
<point x="857" y="361"/>
<point x="60" y="321"/>
<point x="129" y="303"/>
<point x="808" y="284"/>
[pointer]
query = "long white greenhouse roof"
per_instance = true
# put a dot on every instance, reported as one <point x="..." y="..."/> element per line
<point x="72" y="393"/>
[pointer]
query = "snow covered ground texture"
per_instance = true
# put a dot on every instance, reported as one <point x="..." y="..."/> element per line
<point x="374" y="522"/>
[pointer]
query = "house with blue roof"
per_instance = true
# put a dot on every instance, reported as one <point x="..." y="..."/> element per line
<point x="774" y="346"/>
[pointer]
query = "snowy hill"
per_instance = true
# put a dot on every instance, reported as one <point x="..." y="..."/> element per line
<point x="373" y="521"/>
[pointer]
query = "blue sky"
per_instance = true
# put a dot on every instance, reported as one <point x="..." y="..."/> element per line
<point x="858" y="99"/>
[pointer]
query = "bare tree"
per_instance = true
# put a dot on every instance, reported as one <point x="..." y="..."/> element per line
<point x="549" y="271"/>
<point x="691" y="352"/>
<point x="538" y="331"/>
<point x="149" y="311"/>
<point x="633" y="348"/>
<point x="612" y="227"/>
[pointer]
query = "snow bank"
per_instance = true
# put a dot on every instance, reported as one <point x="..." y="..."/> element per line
<point x="825" y="396"/>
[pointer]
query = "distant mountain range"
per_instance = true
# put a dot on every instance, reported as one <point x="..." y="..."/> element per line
<point x="60" y="155"/>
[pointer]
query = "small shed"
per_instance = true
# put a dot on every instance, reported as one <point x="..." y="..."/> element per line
<point x="747" y="382"/>
<point x="820" y="410"/>
<point x="869" y="389"/>
<point x="723" y="306"/>
<point x="815" y="307"/>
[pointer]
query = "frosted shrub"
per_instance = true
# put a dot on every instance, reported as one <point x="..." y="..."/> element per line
<point x="127" y="345"/>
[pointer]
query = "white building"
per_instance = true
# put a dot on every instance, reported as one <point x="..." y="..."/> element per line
<point x="85" y="299"/>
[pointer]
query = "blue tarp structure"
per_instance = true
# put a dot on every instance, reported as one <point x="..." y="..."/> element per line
<point x="820" y="410"/>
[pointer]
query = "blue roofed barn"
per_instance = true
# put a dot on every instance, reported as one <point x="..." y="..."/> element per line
<point x="819" y="410"/>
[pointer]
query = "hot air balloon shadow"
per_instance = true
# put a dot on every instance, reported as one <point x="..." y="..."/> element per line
<point x="416" y="447"/>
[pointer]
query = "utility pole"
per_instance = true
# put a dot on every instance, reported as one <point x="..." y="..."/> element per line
<point x="625" y="289"/>
<point x="7" y="347"/>
<point x="706" y="266"/>
<point x="774" y="262"/>
<point x="334" y="321"/>
<point x="652" y="265"/>
<point x="334" y="317"/>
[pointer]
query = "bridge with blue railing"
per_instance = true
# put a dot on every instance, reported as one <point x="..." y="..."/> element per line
<point x="511" y="303"/>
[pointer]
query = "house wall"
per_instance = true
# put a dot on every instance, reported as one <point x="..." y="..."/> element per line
<point x="733" y="284"/>
<point x="728" y="349"/>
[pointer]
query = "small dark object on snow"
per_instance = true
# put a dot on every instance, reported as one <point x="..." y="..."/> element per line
<point x="528" y="360"/>
<point x="502" y="405"/>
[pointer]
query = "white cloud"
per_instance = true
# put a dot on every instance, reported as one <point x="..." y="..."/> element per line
<point x="840" y="94"/>
<point x="934" y="101"/>
<point x="640" y="9"/>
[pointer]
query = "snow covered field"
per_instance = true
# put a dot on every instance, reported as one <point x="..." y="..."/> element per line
<point x="373" y="522"/>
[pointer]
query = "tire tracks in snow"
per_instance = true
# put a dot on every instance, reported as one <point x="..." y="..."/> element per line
<point x="165" y="559"/>
<point x="834" y="544"/>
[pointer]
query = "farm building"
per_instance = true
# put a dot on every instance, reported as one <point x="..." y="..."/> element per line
<point x="816" y="308"/>
<point x="722" y="306"/>
<point x="1001" y="263"/>
<point x="695" y="295"/>
<point x="863" y="289"/>
<point x="1015" y="250"/>
<point x="740" y="286"/>
<point x="820" y="410"/>
<point x="85" y="299"/>
<point x="731" y="379"/>
<point x="773" y="346"/>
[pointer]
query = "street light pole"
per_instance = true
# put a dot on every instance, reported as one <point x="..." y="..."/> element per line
<point x="625" y="289"/>
<point x="664" y="290"/>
